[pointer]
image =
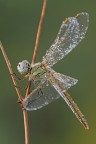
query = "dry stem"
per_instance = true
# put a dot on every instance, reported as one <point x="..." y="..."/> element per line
<point x="26" y="127"/>
<point x="10" y="70"/>
<point x="39" y="31"/>
<point x="33" y="60"/>
<point x="18" y="94"/>
<point x="37" y="40"/>
<point x="25" y="115"/>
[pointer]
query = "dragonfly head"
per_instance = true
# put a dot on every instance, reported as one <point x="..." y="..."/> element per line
<point x="24" y="67"/>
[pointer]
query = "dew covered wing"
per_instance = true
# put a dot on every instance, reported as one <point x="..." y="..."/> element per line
<point x="45" y="92"/>
<point x="68" y="37"/>
<point x="41" y="97"/>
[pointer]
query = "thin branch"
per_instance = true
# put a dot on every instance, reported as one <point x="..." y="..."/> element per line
<point x="26" y="127"/>
<point x="10" y="70"/>
<point x="25" y="115"/>
<point x="18" y="93"/>
<point x="28" y="89"/>
<point x="37" y="40"/>
<point x="39" y="31"/>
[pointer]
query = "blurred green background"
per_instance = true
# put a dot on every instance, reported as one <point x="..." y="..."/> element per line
<point x="54" y="123"/>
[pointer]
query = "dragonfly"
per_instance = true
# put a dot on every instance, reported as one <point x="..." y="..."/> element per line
<point x="50" y="85"/>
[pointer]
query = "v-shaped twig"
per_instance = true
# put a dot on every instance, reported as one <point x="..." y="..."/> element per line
<point x="25" y="115"/>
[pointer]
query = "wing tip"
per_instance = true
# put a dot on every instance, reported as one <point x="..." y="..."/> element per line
<point x="76" y="16"/>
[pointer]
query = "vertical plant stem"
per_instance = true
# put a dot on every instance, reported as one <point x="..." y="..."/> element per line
<point x="39" y="31"/>
<point x="25" y="115"/>
<point x="26" y="127"/>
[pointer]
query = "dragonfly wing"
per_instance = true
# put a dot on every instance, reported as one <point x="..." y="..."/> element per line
<point x="44" y="93"/>
<point x="70" y="102"/>
<point x="69" y="36"/>
<point x="65" y="81"/>
<point x="41" y="96"/>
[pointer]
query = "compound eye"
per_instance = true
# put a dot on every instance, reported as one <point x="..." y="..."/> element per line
<point x="19" y="65"/>
<point x="27" y="64"/>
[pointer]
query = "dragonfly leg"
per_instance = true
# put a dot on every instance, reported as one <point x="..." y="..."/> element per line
<point x="20" y="101"/>
<point x="19" y="87"/>
<point x="28" y="84"/>
<point x="23" y="108"/>
<point x="41" y="91"/>
<point x="39" y="75"/>
<point x="36" y="85"/>
<point x="33" y="100"/>
<point x="16" y="77"/>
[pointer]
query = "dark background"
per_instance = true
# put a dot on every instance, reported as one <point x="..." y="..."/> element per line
<point x="54" y="123"/>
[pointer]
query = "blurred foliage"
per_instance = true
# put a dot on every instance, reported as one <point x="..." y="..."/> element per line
<point x="54" y="123"/>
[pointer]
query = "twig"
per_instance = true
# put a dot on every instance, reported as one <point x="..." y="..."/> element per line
<point x="37" y="41"/>
<point x="18" y="93"/>
<point x="10" y="70"/>
<point x="39" y="31"/>
<point x="26" y="127"/>
<point x="25" y="115"/>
